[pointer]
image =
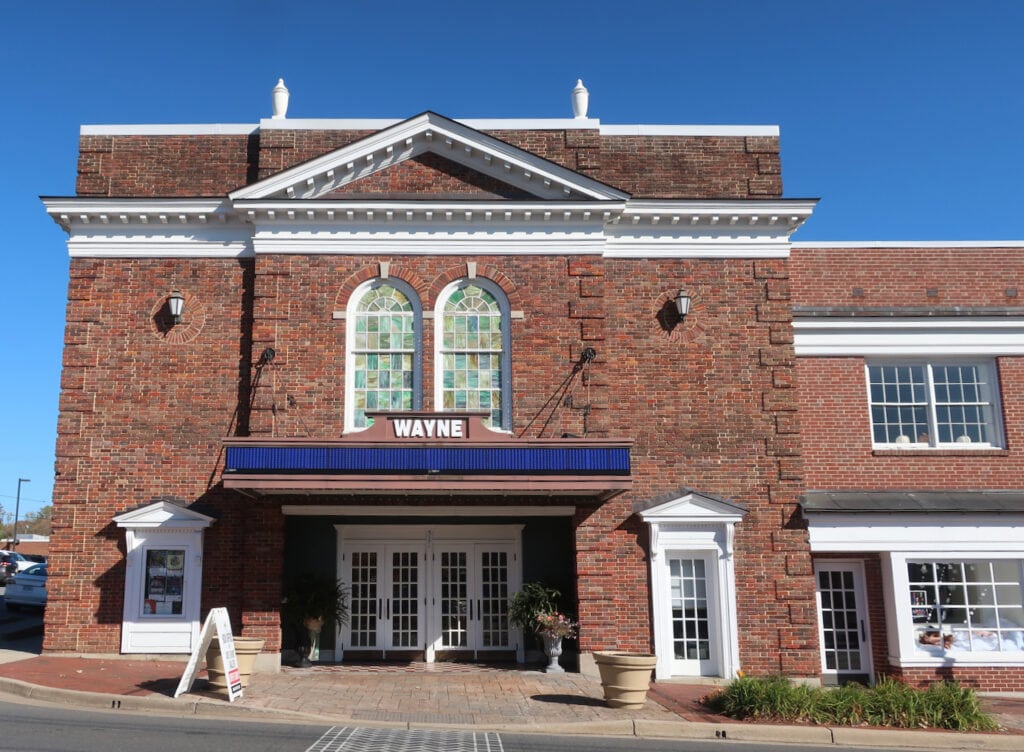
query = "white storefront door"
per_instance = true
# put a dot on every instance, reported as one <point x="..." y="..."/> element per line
<point x="470" y="598"/>
<point x="437" y="591"/>
<point x="693" y="628"/>
<point x="387" y="597"/>
<point x="843" y="622"/>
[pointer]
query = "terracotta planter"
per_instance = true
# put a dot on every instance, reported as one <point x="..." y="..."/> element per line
<point x="246" y="650"/>
<point x="625" y="677"/>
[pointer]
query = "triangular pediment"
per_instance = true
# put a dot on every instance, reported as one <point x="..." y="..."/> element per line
<point x="460" y="158"/>
<point x="163" y="514"/>
<point x="690" y="506"/>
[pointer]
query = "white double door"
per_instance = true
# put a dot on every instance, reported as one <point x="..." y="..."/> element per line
<point x="437" y="591"/>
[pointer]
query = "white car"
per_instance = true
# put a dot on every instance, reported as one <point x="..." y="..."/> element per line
<point x="27" y="588"/>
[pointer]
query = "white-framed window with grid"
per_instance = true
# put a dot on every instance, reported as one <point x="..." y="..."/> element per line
<point x="472" y="363"/>
<point x="949" y="404"/>
<point x="384" y="337"/>
<point x="966" y="605"/>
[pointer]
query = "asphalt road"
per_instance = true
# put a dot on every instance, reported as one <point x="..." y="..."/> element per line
<point x="36" y="727"/>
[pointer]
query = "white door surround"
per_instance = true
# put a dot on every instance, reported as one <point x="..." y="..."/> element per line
<point x="163" y="578"/>
<point x="435" y="589"/>
<point x="694" y="604"/>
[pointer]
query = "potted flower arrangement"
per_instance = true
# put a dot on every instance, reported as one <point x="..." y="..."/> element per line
<point x="552" y="627"/>
<point x="310" y="602"/>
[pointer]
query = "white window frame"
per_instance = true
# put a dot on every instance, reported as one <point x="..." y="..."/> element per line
<point x="903" y="645"/>
<point x="351" y="312"/>
<point x="506" y="346"/>
<point x="992" y="379"/>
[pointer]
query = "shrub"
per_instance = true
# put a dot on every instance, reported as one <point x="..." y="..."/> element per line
<point x="889" y="703"/>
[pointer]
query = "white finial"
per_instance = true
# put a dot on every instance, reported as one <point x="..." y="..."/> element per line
<point x="580" y="99"/>
<point x="280" y="98"/>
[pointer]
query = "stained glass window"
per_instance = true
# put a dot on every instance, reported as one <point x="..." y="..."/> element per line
<point x="472" y="342"/>
<point x="383" y="351"/>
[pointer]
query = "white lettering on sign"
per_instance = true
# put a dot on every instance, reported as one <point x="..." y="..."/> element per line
<point x="429" y="428"/>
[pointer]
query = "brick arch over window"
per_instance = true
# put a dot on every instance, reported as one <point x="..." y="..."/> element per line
<point x="472" y="349"/>
<point x="488" y="272"/>
<point x="373" y="271"/>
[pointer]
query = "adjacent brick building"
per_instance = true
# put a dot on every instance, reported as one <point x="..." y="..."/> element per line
<point x="439" y="359"/>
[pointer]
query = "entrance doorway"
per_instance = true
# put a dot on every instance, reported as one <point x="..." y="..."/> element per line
<point x="690" y="593"/>
<point x="843" y="622"/>
<point x="430" y="592"/>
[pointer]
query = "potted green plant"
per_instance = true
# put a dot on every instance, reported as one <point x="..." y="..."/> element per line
<point x="533" y="600"/>
<point x="310" y="602"/>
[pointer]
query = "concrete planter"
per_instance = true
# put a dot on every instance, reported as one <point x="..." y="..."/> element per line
<point x="246" y="650"/>
<point x="625" y="677"/>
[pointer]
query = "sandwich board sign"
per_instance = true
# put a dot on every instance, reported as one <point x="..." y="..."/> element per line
<point x="217" y="619"/>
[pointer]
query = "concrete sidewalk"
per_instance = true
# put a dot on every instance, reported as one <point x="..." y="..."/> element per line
<point x="453" y="696"/>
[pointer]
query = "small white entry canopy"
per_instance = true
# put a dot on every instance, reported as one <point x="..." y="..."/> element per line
<point x="689" y="525"/>
<point x="163" y="577"/>
<point x="164" y="514"/>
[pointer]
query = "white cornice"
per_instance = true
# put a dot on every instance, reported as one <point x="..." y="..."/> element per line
<point x="170" y="129"/>
<point x="433" y="133"/>
<point x="908" y="337"/>
<point x="435" y="228"/>
<point x="375" y="124"/>
<point x="722" y="229"/>
<point x="483" y="124"/>
<point x="72" y="211"/>
<point x="690" y="130"/>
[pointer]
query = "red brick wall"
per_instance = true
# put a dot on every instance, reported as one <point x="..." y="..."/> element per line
<point x="141" y="419"/>
<point x="833" y="392"/>
<point x="692" y="166"/>
<point x="163" y="166"/>
<point x="646" y="166"/>
<point x="903" y="277"/>
<point x="428" y="173"/>
<point x="834" y="413"/>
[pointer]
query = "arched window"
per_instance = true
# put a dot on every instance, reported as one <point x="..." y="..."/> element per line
<point x="472" y="365"/>
<point x="384" y="351"/>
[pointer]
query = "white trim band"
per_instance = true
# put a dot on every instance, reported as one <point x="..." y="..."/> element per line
<point x="818" y="337"/>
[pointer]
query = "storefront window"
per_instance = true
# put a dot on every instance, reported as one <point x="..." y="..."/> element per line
<point x="164" y="582"/>
<point x="966" y="606"/>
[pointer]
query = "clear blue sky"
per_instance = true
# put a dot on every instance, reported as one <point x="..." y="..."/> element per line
<point x="904" y="117"/>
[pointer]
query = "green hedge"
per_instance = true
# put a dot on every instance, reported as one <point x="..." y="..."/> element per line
<point x="889" y="703"/>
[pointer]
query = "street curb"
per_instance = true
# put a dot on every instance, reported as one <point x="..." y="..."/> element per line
<point x="627" y="727"/>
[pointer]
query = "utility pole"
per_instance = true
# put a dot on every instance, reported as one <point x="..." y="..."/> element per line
<point x="17" y="508"/>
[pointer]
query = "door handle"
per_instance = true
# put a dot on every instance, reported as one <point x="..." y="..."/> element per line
<point x="389" y="608"/>
<point x="863" y="634"/>
<point x="471" y="609"/>
<point x="380" y="608"/>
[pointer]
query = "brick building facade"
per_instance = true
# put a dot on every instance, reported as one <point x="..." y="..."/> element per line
<point x="439" y="359"/>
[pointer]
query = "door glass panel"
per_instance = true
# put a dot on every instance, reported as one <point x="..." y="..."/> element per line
<point x="363" y="605"/>
<point x="405" y="596"/>
<point x="494" y="599"/>
<point x="164" y="582"/>
<point x="454" y="603"/>
<point x="690" y="626"/>
<point x="839" y="621"/>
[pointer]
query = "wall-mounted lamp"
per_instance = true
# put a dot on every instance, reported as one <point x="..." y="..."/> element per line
<point x="682" y="304"/>
<point x="176" y="302"/>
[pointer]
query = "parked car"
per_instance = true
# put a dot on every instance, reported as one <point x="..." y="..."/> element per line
<point x="27" y="588"/>
<point x="12" y="562"/>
